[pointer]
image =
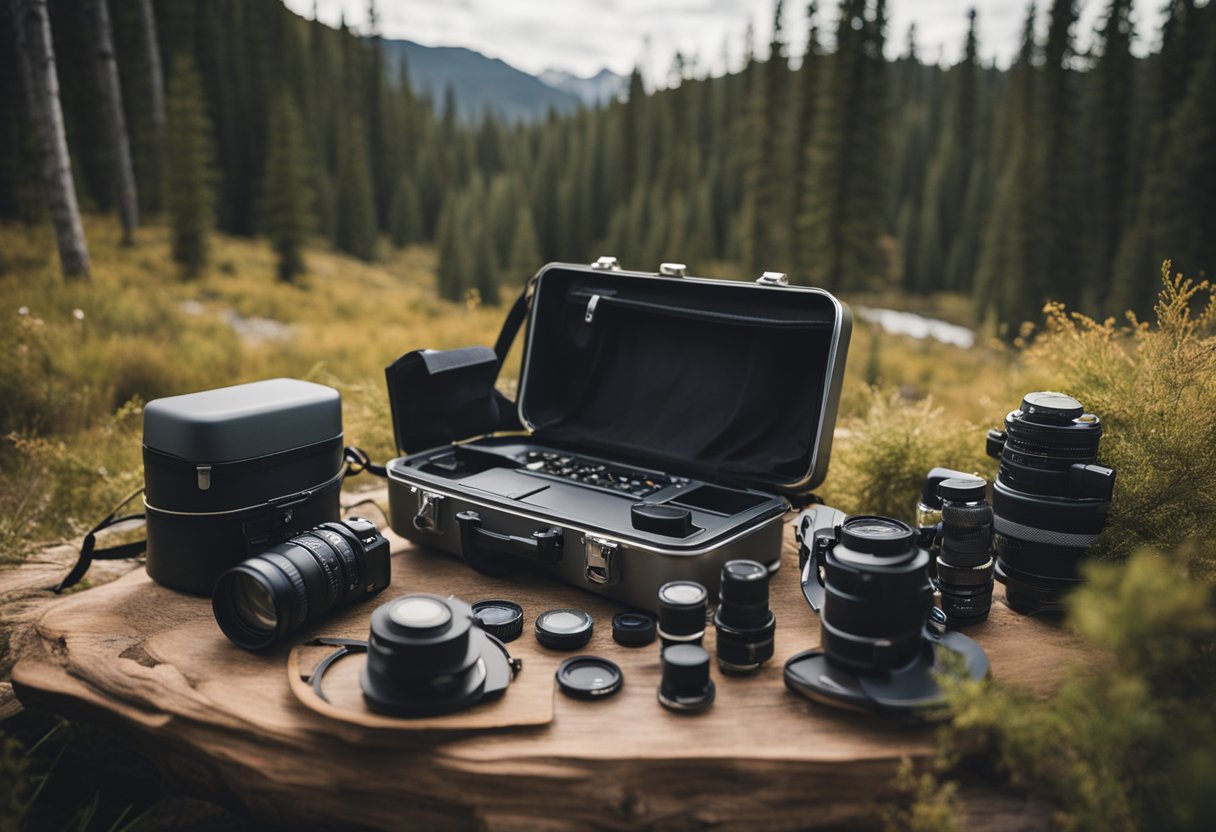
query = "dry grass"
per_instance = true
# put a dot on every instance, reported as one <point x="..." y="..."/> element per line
<point x="71" y="385"/>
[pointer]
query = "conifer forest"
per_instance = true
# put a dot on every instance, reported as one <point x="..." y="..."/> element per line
<point x="1069" y="176"/>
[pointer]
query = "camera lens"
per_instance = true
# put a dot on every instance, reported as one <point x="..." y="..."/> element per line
<point x="1050" y="498"/>
<point x="964" y="563"/>
<point x="683" y="606"/>
<point x="262" y="599"/>
<point x="502" y="619"/>
<point x="876" y="595"/>
<point x="744" y="622"/>
<point x="686" y="686"/>
<point x="425" y="657"/>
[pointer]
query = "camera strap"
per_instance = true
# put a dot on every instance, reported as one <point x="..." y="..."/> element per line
<point x="89" y="551"/>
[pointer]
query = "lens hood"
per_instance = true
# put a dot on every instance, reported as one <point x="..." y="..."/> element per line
<point x="910" y="690"/>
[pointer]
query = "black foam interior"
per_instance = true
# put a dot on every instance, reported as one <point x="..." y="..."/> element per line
<point x="720" y="380"/>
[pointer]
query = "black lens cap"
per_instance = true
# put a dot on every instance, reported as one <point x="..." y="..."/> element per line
<point x="1051" y="407"/>
<point x="633" y="629"/>
<point x="564" y="629"/>
<point x="963" y="489"/>
<point x="502" y="619"/>
<point x="589" y="677"/>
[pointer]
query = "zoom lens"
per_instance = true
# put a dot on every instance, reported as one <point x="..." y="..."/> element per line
<point x="876" y="595"/>
<point x="262" y="599"/>
<point x="964" y="563"/>
<point x="744" y="623"/>
<point x="1050" y="498"/>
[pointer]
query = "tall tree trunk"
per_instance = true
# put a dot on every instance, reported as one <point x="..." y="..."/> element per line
<point x="42" y="96"/>
<point x="156" y="75"/>
<point x="122" y="174"/>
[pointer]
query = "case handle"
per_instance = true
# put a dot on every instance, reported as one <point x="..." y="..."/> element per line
<point x="496" y="554"/>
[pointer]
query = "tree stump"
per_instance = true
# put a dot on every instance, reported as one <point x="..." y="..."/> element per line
<point x="226" y="726"/>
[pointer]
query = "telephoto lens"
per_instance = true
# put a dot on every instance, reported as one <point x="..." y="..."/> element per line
<point x="259" y="601"/>
<point x="426" y="657"/>
<point x="744" y="623"/>
<point x="964" y="562"/>
<point x="877" y="654"/>
<point x="683" y="606"/>
<point x="1050" y="498"/>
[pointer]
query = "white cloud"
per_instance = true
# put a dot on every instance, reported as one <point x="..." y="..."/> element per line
<point x="585" y="35"/>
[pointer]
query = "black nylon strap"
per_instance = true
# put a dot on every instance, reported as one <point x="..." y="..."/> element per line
<point x="89" y="551"/>
<point x="510" y="327"/>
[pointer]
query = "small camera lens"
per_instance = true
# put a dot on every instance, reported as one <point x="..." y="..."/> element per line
<point x="633" y="629"/>
<point x="683" y="606"/>
<point x="502" y="619"/>
<point x="686" y="686"/>
<point x="259" y="601"/>
<point x="744" y="623"/>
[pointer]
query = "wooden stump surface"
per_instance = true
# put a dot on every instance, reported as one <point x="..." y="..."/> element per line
<point x="226" y="725"/>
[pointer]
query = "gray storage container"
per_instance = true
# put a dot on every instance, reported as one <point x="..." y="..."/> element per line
<point x="231" y="471"/>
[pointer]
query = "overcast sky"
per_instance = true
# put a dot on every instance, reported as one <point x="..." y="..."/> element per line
<point x="583" y="36"/>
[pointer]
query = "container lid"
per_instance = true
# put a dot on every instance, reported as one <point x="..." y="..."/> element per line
<point x="723" y="380"/>
<point x="244" y="421"/>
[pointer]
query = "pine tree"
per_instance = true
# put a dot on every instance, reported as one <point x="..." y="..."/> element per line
<point x="525" y="258"/>
<point x="842" y="218"/>
<point x="405" y="214"/>
<point x="455" y="262"/>
<point x="1058" y="205"/>
<point x="1109" y="127"/>
<point x="287" y="201"/>
<point x="807" y="81"/>
<point x="484" y="264"/>
<point x="355" y="221"/>
<point x="189" y="176"/>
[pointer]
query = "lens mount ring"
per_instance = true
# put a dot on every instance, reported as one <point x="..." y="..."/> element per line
<point x="327" y="559"/>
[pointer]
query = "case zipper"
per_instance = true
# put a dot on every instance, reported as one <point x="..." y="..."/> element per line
<point x="596" y="301"/>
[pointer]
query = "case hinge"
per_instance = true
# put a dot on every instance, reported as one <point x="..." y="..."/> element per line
<point x="204" y="477"/>
<point x="606" y="263"/>
<point x="427" y="518"/>
<point x="599" y="557"/>
<point x="673" y="269"/>
<point x="773" y="279"/>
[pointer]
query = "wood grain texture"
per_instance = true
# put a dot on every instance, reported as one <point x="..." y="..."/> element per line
<point x="227" y="725"/>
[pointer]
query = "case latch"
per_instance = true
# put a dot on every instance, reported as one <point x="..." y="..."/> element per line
<point x="204" y="477"/>
<point x="599" y="556"/>
<point x="773" y="279"/>
<point x="673" y="269"/>
<point x="427" y="518"/>
<point x="606" y="264"/>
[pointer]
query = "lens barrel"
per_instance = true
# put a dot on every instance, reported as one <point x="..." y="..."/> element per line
<point x="876" y="595"/>
<point x="1050" y="498"/>
<point x="744" y="623"/>
<point x="259" y="601"/>
<point x="964" y="562"/>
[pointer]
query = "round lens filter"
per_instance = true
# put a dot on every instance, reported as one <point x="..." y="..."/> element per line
<point x="502" y="619"/>
<point x="564" y="629"/>
<point x="589" y="677"/>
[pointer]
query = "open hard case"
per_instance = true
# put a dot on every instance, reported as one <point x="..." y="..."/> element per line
<point x="664" y="424"/>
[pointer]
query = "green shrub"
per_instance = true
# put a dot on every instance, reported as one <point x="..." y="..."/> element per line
<point x="1154" y="387"/>
<point x="881" y="458"/>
